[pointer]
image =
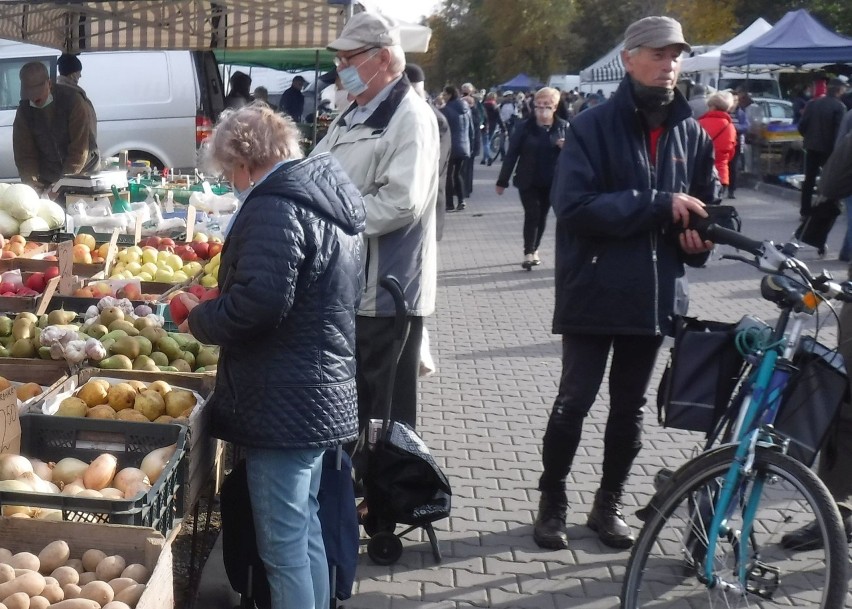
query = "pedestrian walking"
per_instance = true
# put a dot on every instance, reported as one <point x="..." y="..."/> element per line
<point x="460" y="119"/>
<point x="632" y="171"/>
<point x="533" y="150"/>
<point x="719" y="126"/>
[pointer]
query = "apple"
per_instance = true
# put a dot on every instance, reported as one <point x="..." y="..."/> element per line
<point x="145" y="276"/>
<point x="6" y="254"/>
<point x="214" y="249"/>
<point x="152" y="241"/>
<point x="193" y="268"/>
<point x="201" y="248"/>
<point x="36" y="282"/>
<point x="149" y="254"/>
<point x="209" y="281"/>
<point x="51" y="272"/>
<point x="25" y="291"/>
<point x="166" y="243"/>
<point x="84" y="293"/>
<point x="7" y="286"/>
<point x="180" y="306"/>
<point x="197" y="290"/>
<point x="83" y="239"/>
<point x="17" y="239"/>
<point x="211" y="294"/>
<point x="164" y="274"/>
<point x="101" y="289"/>
<point x="199" y="238"/>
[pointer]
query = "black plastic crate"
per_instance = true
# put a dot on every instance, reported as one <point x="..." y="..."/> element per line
<point x="55" y="438"/>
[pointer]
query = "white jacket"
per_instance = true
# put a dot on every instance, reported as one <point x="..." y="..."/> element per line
<point x="393" y="160"/>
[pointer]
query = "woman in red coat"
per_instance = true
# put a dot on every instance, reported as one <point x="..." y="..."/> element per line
<point x="719" y="126"/>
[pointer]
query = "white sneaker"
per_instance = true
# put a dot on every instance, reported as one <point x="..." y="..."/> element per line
<point x="535" y="259"/>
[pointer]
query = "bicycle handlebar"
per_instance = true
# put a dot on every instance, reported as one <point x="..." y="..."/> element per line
<point x="725" y="236"/>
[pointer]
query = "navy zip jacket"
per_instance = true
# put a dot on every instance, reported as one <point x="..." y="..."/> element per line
<point x="290" y="276"/>
<point x="618" y="262"/>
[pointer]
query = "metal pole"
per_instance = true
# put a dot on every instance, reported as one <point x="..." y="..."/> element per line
<point x="316" y="96"/>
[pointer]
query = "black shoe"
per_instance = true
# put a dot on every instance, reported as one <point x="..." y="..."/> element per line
<point x="808" y="537"/>
<point x="482" y="162"/>
<point x="460" y="206"/>
<point x="489" y="162"/>
<point x="731" y="195"/>
<point x="607" y="521"/>
<point x="450" y="208"/>
<point x="549" y="529"/>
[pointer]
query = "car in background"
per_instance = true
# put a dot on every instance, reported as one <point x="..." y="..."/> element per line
<point x="779" y="111"/>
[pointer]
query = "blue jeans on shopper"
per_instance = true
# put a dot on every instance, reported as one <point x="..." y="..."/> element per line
<point x="486" y="146"/>
<point x="283" y="486"/>
<point x="846" y="250"/>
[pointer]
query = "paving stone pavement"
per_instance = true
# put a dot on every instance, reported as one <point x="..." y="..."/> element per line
<point x="484" y="412"/>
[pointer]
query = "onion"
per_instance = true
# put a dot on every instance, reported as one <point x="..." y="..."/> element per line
<point x="136" y="487"/>
<point x="101" y="472"/>
<point x="43" y="470"/>
<point x="128" y="476"/>
<point x="155" y="462"/>
<point x="89" y="492"/>
<point x="35" y="483"/>
<point x="48" y="514"/>
<point x="112" y="493"/>
<point x="16" y="487"/>
<point x="68" y="470"/>
<point x="72" y="489"/>
<point x="12" y="466"/>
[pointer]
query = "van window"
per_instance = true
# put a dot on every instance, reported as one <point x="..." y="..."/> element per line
<point x="10" y="80"/>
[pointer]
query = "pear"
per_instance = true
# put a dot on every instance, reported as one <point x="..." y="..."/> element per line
<point x="72" y="407"/>
<point x="42" y="320"/>
<point x="98" y="331"/>
<point x="189" y="358"/>
<point x="151" y="404"/>
<point x="159" y="358"/>
<point x="121" y="396"/>
<point x="207" y="356"/>
<point x="181" y="365"/>
<point x="44" y="353"/>
<point x="143" y="362"/>
<point x="111" y="314"/>
<point x="179" y="400"/>
<point x="4" y="352"/>
<point x="23" y="348"/>
<point x="169" y="346"/>
<point x="116" y="362"/>
<point x="145" y="346"/>
<point x="22" y="328"/>
<point x="114" y="335"/>
<point x="125" y="346"/>
<point x="122" y="324"/>
<point x="153" y="334"/>
<point x="140" y="323"/>
<point x="5" y="326"/>
<point x="60" y="317"/>
<point x="27" y="315"/>
<point x="168" y="369"/>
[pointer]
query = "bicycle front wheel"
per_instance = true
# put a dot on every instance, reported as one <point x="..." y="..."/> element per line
<point x="666" y="567"/>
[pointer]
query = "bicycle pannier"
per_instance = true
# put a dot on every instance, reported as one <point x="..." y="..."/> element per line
<point x="701" y="375"/>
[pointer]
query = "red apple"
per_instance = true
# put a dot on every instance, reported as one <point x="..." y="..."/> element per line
<point x="202" y="248"/>
<point x="166" y="243"/>
<point x="25" y="291"/>
<point x="214" y="249"/>
<point x="7" y="286"/>
<point x="181" y="305"/>
<point x="152" y="241"/>
<point x="198" y="290"/>
<point x="211" y="294"/>
<point x="36" y="282"/>
<point x="51" y="272"/>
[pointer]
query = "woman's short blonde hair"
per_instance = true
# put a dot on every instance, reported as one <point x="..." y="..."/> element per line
<point x="548" y="94"/>
<point x="721" y="100"/>
<point x="255" y="135"/>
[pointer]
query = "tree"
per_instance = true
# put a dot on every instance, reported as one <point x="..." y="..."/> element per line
<point x="702" y="26"/>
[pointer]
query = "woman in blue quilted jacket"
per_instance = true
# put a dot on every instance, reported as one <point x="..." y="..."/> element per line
<point x="290" y="280"/>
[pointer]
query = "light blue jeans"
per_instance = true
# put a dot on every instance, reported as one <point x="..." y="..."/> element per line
<point x="283" y="486"/>
<point x="846" y="248"/>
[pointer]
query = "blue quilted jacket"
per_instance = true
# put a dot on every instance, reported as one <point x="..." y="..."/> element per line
<point x="290" y="276"/>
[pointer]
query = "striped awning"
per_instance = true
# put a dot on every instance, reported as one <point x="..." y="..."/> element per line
<point x="73" y="25"/>
<point x="606" y="69"/>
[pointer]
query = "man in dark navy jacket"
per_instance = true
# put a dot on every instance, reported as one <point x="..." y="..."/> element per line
<point x="629" y="175"/>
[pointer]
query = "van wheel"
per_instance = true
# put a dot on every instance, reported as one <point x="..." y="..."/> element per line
<point x="137" y="155"/>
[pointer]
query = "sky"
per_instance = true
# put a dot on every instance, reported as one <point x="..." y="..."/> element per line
<point x="407" y="10"/>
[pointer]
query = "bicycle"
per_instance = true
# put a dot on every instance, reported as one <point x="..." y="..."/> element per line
<point x="711" y="531"/>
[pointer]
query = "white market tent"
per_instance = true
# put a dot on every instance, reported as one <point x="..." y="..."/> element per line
<point x="79" y="25"/>
<point x="608" y="68"/>
<point x="710" y="60"/>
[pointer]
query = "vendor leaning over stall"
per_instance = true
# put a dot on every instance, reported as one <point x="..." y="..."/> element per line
<point x="53" y="133"/>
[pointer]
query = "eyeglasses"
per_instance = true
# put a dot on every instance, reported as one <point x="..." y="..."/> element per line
<point x="344" y="61"/>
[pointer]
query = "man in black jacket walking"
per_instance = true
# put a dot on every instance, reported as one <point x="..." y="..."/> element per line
<point x="631" y="172"/>
<point x="818" y="125"/>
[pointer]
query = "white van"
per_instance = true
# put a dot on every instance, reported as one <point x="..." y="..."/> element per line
<point x="764" y="84"/>
<point x="157" y="105"/>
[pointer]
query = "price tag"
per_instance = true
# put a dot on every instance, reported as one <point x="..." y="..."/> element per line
<point x="10" y="424"/>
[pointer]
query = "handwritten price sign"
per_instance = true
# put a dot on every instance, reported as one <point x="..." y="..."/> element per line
<point x="10" y="425"/>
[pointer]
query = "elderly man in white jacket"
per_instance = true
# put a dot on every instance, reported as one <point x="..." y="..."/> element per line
<point x="387" y="141"/>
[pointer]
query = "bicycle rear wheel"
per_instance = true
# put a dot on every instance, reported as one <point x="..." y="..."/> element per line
<point x="668" y="556"/>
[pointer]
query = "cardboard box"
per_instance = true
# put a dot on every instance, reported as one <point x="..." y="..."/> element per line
<point x="50" y="374"/>
<point x="136" y="544"/>
<point x="205" y="453"/>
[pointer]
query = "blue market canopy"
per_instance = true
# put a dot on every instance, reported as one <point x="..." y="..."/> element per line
<point x="521" y="81"/>
<point x="797" y="39"/>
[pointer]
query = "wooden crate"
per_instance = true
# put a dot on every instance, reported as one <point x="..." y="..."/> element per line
<point x="52" y="375"/>
<point x="136" y="544"/>
<point x="205" y="452"/>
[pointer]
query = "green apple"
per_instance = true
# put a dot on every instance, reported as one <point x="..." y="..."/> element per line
<point x="209" y="281"/>
<point x="133" y="267"/>
<point x="144" y="276"/>
<point x="192" y="268"/>
<point x="149" y="254"/>
<point x="179" y="277"/>
<point x="164" y="274"/>
<point x="174" y="261"/>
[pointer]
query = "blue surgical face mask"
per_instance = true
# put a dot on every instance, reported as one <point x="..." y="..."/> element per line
<point x="48" y="100"/>
<point x="351" y="80"/>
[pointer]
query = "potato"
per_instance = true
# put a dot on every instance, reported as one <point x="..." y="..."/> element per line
<point x="39" y="602"/>
<point x="53" y="593"/>
<point x="19" y="600"/>
<point x="25" y="560"/>
<point x="53" y="555"/>
<point x="97" y="591"/>
<point x="5" y="555"/>
<point x="110" y="568"/>
<point x="120" y="583"/>
<point x="76" y="564"/>
<point x="71" y="591"/>
<point x="31" y="582"/>
<point x="7" y="573"/>
<point x="85" y="578"/>
<point x="116" y="605"/>
<point x="50" y="581"/>
<point x="91" y="559"/>
<point x="131" y="594"/>
<point x="66" y="575"/>
<point x="100" y="472"/>
<point x="138" y="572"/>
<point x="76" y="603"/>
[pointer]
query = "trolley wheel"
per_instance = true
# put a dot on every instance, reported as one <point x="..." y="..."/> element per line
<point x="373" y="526"/>
<point x="384" y="548"/>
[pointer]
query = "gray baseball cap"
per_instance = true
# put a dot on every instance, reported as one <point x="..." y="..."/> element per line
<point x="654" y="33"/>
<point x="367" y="29"/>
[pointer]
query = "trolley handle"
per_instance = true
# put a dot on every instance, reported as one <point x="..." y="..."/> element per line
<point x="392" y="285"/>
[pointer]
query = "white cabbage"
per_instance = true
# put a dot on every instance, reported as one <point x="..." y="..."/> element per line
<point x="28" y="226"/>
<point x="8" y="225"/>
<point x="20" y="201"/>
<point x="52" y="213"/>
